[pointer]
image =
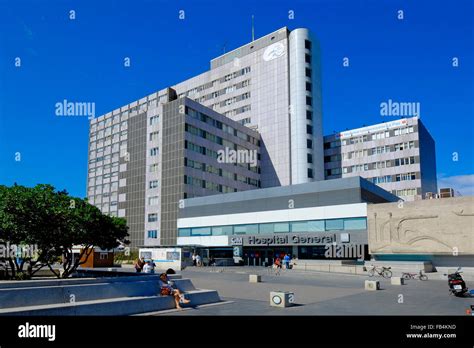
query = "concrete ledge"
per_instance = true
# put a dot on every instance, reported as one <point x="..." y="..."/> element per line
<point x="184" y="285"/>
<point x="403" y="266"/>
<point x="117" y="306"/>
<point x="42" y="295"/>
<point x="372" y="285"/>
<point x="255" y="278"/>
<point x="76" y="281"/>
<point x="397" y="281"/>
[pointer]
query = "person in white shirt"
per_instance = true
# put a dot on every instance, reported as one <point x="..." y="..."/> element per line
<point x="198" y="260"/>
<point x="194" y="259"/>
<point x="149" y="267"/>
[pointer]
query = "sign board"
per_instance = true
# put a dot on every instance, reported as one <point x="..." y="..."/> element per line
<point x="284" y="239"/>
<point x="163" y="258"/>
<point x="371" y="129"/>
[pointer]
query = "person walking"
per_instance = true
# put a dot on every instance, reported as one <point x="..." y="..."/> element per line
<point x="287" y="260"/>
<point x="277" y="266"/>
<point x="198" y="260"/>
<point x="139" y="263"/>
<point x="194" y="259"/>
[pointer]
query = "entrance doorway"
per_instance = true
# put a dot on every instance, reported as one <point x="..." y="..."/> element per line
<point x="264" y="256"/>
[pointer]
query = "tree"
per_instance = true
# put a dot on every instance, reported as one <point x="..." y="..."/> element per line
<point x="86" y="226"/>
<point x="54" y="222"/>
<point x="15" y="221"/>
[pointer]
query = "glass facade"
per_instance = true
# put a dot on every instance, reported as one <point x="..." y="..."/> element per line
<point x="346" y="224"/>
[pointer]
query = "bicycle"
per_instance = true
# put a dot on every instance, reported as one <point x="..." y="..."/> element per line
<point x="420" y="275"/>
<point x="383" y="271"/>
<point x="274" y="270"/>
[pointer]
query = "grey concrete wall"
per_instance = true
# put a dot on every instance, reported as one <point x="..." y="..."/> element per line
<point x="172" y="175"/>
<point x="135" y="179"/>
<point x="314" y="194"/>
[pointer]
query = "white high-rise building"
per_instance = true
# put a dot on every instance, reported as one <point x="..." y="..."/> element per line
<point x="147" y="155"/>
<point x="272" y="84"/>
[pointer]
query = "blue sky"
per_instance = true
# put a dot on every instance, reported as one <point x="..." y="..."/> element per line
<point x="406" y="60"/>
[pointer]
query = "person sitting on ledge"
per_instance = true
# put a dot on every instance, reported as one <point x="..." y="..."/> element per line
<point x="166" y="289"/>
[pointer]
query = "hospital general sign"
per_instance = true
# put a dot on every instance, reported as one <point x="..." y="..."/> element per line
<point x="284" y="239"/>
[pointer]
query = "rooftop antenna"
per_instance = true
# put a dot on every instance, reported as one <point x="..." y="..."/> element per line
<point x="253" y="30"/>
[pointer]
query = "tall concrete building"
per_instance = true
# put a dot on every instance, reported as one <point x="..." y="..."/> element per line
<point x="272" y="85"/>
<point x="263" y="97"/>
<point x="399" y="156"/>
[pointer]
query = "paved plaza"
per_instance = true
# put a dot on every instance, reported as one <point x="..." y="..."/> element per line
<point x="319" y="293"/>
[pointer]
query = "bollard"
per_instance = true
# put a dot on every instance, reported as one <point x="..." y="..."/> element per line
<point x="255" y="278"/>
<point x="397" y="281"/>
<point x="282" y="299"/>
<point x="372" y="285"/>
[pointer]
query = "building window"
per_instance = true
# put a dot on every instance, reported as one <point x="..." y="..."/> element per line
<point x="310" y="173"/>
<point x="246" y="229"/>
<point x="309" y="101"/>
<point x="307" y="44"/>
<point x="382" y="179"/>
<point x="154" y="151"/>
<point x="307" y="58"/>
<point x="201" y="231"/>
<point x="222" y="230"/>
<point x="154" y="120"/>
<point x="184" y="232"/>
<point x="355" y="224"/>
<point x="154" y="200"/>
<point x="406" y="192"/>
<point x="309" y="143"/>
<point x="406" y="130"/>
<point x="154" y="168"/>
<point x="153" y="184"/>
<point x="153" y="234"/>
<point x="152" y="217"/>
<point x="309" y="158"/>
<point x="334" y="224"/>
<point x="309" y="129"/>
<point x="405" y="177"/>
<point x="154" y="136"/>
<point x="308" y="86"/>
<point x="308" y="72"/>
<point x="309" y="115"/>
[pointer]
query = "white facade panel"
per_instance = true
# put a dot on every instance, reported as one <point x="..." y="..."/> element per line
<point x="210" y="241"/>
<point x="313" y="213"/>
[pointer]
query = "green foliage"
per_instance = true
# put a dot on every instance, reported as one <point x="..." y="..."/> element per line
<point x="120" y="257"/>
<point x="22" y="276"/>
<point x="55" y="222"/>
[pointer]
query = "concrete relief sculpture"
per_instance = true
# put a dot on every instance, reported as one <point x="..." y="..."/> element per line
<point x="438" y="226"/>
